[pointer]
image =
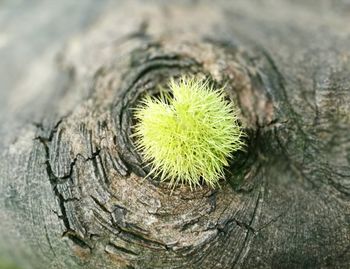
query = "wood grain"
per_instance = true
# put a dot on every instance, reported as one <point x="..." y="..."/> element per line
<point x="73" y="192"/>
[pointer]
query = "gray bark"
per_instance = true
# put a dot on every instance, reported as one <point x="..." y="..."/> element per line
<point x="72" y="186"/>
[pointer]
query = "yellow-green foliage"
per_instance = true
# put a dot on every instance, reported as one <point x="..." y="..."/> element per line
<point x="188" y="135"/>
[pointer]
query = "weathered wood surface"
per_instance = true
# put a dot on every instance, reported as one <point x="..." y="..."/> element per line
<point x="72" y="193"/>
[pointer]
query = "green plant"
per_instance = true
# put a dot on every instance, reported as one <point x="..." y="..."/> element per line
<point x="188" y="135"/>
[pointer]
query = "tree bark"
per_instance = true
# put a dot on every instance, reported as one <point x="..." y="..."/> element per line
<point x="73" y="192"/>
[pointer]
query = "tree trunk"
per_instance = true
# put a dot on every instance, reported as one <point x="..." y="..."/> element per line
<point x="73" y="192"/>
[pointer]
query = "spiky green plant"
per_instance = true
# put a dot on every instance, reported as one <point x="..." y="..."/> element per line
<point x="189" y="134"/>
